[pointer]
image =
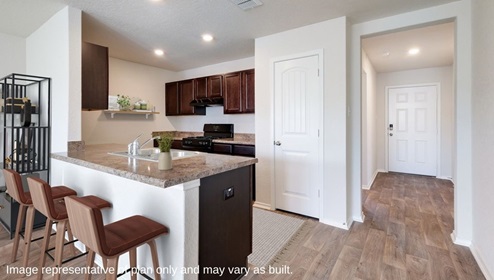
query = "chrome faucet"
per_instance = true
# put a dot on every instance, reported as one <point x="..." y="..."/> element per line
<point x="145" y="142"/>
<point x="133" y="147"/>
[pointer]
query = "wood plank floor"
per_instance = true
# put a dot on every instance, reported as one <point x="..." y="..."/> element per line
<point x="406" y="235"/>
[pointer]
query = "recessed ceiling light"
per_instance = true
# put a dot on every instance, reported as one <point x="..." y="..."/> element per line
<point x="413" y="51"/>
<point x="159" y="52"/>
<point x="207" y="37"/>
<point x="385" y="54"/>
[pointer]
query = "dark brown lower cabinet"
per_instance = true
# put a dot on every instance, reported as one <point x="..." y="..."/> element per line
<point x="225" y="222"/>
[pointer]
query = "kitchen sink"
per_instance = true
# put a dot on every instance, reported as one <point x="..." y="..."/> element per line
<point x="152" y="154"/>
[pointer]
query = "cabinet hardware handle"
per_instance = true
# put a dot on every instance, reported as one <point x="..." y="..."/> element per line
<point x="277" y="143"/>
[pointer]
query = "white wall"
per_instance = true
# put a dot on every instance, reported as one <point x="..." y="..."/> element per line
<point x="53" y="51"/>
<point x="331" y="37"/>
<point x="140" y="82"/>
<point x="483" y="136"/>
<point x="12" y="55"/>
<point x="369" y="122"/>
<point x="441" y="75"/>
<point x="461" y="12"/>
<point x="244" y="123"/>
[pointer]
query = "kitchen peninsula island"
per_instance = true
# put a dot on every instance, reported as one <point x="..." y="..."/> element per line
<point x="205" y="201"/>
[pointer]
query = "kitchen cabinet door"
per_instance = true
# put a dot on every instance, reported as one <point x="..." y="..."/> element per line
<point x="172" y="99"/>
<point x="239" y="92"/>
<point x="186" y="93"/>
<point x="201" y="87"/>
<point x="215" y="86"/>
<point x="248" y="91"/>
<point x="232" y="93"/>
<point x="94" y="77"/>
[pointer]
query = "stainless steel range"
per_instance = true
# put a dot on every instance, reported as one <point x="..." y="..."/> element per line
<point x="211" y="132"/>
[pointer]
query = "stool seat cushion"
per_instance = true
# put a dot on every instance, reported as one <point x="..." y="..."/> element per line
<point x="56" y="192"/>
<point x="130" y="232"/>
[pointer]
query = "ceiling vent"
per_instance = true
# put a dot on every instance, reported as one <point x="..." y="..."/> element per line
<point x="247" y="4"/>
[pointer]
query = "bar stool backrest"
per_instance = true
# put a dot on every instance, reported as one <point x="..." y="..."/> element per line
<point x="40" y="194"/>
<point x="88" y="224"/>
<point x="14" y="186"/>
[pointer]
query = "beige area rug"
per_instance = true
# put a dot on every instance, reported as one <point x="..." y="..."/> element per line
<point x="272" y="232"/>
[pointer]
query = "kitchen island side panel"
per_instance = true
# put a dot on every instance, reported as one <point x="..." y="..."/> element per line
<point x="225" y="221"/>
<point x="175" y="207"/>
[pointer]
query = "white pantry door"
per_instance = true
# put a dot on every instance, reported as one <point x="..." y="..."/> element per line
<point x="412" y="129"/>
<point x="298" y="99"/>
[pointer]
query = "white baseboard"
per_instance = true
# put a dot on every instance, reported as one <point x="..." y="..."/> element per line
<point x="489" y="275"/>
<point x="446" y="178"/>
<point x="368" y="187"/>
<point x="262" y="205"/>
<point x="336" y="224"/>
<point x="360" y="218"/>
<point x="458" y="241"/>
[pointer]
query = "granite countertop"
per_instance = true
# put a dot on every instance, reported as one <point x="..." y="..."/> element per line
<point x="238" y="138"/>
<point x="184" y="169"/>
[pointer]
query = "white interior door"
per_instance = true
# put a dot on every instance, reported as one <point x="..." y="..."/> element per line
<point x="298" y="99"/>
<point x="412" y="129"/>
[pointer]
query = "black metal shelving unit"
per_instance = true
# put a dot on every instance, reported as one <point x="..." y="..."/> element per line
<point x="26" y="139"/>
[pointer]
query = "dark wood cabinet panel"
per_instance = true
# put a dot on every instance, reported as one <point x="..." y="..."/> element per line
<point x="225" y="221"/>
<point x="222" y="148"/>
<point x="178" y="96"/>
<point x="234" y="149"/>
<point x="244" y="150"/>
<point x="236" y="88"/>
<point x="232" y="93"/>
<point x="171" y="99"/>
<point x="176" y="144"/>
<point x="94" y="77"/>
<point x="186" y="93"/>
<point x="239" y="92"/>
<point x="249" y="91"/>
<point x="215" y="86"/>
<point x="201" y="87"/>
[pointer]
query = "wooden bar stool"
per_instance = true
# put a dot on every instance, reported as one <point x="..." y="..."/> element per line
<point x="55" y="211"/>
<point x="114" y="239"/>
<point x="16" y="191"/>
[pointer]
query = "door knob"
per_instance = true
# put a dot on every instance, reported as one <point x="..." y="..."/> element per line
<point x="391" y="134"/>
<point x="277" y="143"/>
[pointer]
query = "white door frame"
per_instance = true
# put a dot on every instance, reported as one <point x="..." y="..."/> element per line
<point x="438" y="124"/>
<point x="320" y="54"/>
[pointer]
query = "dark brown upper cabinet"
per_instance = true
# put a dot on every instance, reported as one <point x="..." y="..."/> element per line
<point x="178" y="96"/>
<point x="249" y="91"/>
<point x="201" y="87"/>
<point x="232" y="91"/>
<point x="239" y="92"/>
<point x="171" y="99"/>
<point x="94" y="84"/>
<point x="215" y="86"/>
<point x="186" y="92"/>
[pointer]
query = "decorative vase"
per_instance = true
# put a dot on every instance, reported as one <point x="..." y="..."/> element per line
<point x="165" y="161"/>
<point x="125" y="108"/>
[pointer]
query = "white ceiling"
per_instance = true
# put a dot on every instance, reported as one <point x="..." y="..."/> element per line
<point x="133" y="28"/>
<point x="389" y="52"/>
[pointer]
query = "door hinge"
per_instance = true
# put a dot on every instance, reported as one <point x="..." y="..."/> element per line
<point x="318" y="193"/>
<point x="318" y="133"/>
<point x="318" y="72"/>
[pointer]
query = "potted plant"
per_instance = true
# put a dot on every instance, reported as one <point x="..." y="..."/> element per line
<point x="165" y="143"/>
<point x="123" y="102"/>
